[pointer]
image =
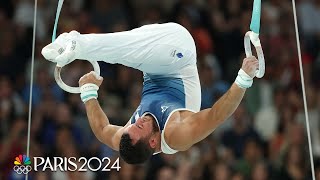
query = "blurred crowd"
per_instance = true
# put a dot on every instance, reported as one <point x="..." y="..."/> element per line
<point x="266" y="138"/>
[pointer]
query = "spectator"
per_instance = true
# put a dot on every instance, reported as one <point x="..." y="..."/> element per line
<point x="11" y="146"/>
<point x="260" y="172"/>
<point x="236" y="137"/>
<point x="272" y="113"/>
<point x="166" y="173"/>
<point x="294" y="166"/>
<point x="213" y="87"/>
<point x="222" y="171"/>
<point x="11" y="104"/>
<point x="267" y="118"/>
<point x="252" y="155"/>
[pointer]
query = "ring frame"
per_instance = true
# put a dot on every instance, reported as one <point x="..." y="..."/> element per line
<point x="252" y="37"/>
<point x="74" y="90"/>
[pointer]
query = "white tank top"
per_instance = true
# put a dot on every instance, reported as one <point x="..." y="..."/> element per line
<point x="165" y="148"/>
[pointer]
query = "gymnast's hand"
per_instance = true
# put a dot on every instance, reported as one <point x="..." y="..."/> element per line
<point x="250" y="65"/>
<point x="247" y="72"/>
<point x="63" y="50"/>
<point x="92" y="78"/>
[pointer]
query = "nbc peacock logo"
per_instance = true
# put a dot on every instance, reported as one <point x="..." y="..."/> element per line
<point x="22" y="164"/>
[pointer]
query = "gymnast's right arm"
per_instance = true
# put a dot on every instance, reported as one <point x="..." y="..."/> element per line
<point x="104" y="131"/>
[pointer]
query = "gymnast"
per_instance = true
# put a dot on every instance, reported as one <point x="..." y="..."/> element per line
<point x="168" y="118"/>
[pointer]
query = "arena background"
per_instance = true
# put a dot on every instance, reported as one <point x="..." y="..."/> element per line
<point x="264" y="139"/>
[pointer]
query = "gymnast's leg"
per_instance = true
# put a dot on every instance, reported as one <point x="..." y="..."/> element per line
<point x="156" y="48"/>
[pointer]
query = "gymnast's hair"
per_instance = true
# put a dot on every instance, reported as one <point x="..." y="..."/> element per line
<point x="137" y="153"/>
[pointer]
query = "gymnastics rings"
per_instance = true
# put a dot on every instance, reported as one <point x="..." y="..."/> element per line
<point x="252" y="37"/>
<point x="57" y="77"/>
<point x="58" y="69"/>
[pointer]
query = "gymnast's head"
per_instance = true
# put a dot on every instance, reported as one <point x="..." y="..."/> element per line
<point x="139" y="140"/>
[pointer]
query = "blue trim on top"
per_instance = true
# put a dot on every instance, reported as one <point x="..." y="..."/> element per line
<point x="255" y="19"/>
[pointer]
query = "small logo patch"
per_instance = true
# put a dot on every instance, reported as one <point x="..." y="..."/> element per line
<point x="180" y="55"/>
<point x="164" y="108"/>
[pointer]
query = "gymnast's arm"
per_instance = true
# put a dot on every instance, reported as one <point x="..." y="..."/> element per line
<point x="104" y="131"/>
<point x="199" y="125"/>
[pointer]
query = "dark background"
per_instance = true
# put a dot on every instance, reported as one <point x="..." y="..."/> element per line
<point x="264" y="139"/>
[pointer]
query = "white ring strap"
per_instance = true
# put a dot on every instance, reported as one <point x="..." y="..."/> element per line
<point x="67" y="88"/>
<point x="252" y="37"/>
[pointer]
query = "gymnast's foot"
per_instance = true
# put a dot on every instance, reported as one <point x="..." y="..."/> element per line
<point x="63" y="50"/>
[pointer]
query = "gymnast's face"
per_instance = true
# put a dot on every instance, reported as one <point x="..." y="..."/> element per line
<point x="144" y="128"/>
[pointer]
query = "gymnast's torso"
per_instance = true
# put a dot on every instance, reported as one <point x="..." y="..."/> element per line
<point x="163" y="95"/>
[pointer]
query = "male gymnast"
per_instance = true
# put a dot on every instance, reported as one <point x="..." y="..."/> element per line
<point x="168" y="118"/>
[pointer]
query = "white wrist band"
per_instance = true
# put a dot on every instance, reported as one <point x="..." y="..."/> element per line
<point x="89" y="87"/>
<point x="243" y="80"/>
<point x="88" y="91"/>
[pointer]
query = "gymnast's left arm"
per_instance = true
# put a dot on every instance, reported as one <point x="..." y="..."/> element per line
<point x="199" y="125"/>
